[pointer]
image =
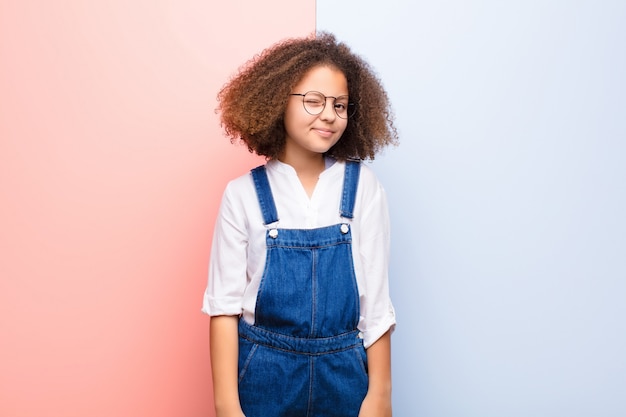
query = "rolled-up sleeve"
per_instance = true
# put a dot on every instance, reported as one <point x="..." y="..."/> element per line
<point x="377" y="312"/>
<point x="227" y="266"/>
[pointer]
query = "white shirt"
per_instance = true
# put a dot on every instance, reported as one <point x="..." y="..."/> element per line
<point x="238" y="250"/>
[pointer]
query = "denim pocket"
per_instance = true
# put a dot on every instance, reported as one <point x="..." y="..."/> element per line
<point x="362" y="358"/>
<point x="246" y="352"/>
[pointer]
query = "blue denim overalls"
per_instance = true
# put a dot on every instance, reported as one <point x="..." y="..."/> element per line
<point x="304" y="356"/>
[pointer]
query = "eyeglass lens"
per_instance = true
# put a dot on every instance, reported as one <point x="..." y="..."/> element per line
<point x="314" y="103"/>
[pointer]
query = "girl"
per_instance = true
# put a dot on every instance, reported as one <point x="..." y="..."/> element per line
<point x="298" y="289"/>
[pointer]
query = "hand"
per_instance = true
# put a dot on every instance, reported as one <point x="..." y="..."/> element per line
<point x="376" y="406"/>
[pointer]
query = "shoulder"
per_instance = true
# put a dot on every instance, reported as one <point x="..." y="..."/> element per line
<point x="368" y="181"/>
<point x="242" y="183"/>
<point x="239" y="191"/>
<point x="367" y="173"/>
<point x="239" y="205"/>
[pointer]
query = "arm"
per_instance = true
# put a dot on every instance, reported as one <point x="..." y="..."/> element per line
<point x="377" y="402"/>
<point x="376" y="308"/>
<point x="224" y="353"/>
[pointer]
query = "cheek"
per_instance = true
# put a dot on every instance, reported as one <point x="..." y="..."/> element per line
<point x="296" y="118"/>
<point x="291" y="122"/>
<point x="288" y="119"/>
<point x="294" y="111"/>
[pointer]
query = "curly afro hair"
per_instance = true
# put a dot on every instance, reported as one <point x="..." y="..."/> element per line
<point x="252" y="104"/>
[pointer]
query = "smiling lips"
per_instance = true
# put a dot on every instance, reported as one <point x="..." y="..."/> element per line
<point x="326" y="133"/>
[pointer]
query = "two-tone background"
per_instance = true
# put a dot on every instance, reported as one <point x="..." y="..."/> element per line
<point x="507" y="197"/>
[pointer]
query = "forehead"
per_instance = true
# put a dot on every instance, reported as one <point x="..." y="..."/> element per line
<point x="327" y="80"/>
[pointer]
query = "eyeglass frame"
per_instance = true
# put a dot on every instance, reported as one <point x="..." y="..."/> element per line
<point x="350" y="105"/>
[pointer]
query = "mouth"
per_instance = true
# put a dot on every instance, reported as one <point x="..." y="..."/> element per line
<point x="326" y="133"/>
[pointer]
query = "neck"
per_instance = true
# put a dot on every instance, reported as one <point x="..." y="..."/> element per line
<point x="305" y="163"/>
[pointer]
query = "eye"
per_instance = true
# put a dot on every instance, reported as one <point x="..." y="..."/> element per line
<point x="342" y="103"/>
<point x="313" y="101"/>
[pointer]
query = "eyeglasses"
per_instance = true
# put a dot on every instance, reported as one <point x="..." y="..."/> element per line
<point x="314" y="103"/>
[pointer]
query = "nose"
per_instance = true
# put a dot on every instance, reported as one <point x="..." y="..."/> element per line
<point x="328" y="113"/>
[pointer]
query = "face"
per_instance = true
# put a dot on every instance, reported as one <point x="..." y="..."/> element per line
<point x="313" y="135"/>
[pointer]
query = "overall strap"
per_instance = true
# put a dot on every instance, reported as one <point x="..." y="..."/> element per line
<point x="264" y="195"/>
<point x="350" y="184"/>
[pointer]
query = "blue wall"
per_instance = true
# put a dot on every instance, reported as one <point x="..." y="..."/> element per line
<point x="507" y="195"/>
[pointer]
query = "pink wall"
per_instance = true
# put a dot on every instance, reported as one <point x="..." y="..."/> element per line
<point x="112" y="164"/>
